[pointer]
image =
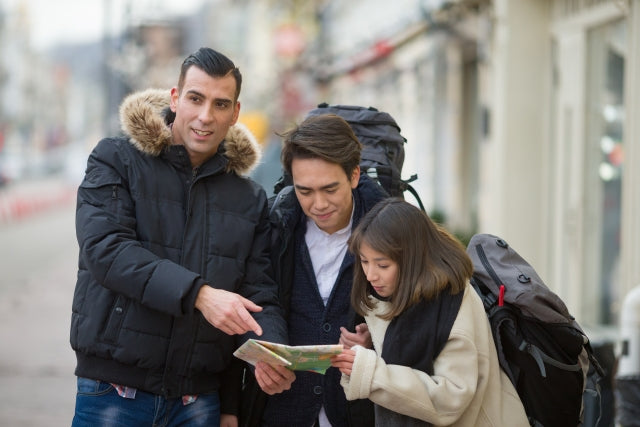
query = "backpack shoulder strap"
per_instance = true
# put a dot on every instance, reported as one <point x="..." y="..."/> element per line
<point x="415" y="194"/>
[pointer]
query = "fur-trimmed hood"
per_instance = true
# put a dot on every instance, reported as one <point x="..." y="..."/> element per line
<point x="143" y="118"/>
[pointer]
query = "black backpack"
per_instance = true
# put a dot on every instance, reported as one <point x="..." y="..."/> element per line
<point x="383" y="147"/>
<point x="540" y="346"/>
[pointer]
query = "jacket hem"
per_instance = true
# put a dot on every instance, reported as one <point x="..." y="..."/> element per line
<point x="147" y="380"/>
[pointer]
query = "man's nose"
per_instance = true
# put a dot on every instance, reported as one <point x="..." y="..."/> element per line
<point x="320" y="201"/>
<point x="206" y="114"/>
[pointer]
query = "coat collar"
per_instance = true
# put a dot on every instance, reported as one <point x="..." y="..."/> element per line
<point x="145" y="118"/>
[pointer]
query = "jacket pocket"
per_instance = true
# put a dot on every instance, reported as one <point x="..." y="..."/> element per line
<point x="116" y="317"/>
<point x="101" y="188"/>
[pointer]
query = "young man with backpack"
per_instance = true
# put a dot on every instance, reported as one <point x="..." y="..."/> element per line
<point x="311" y="223"/>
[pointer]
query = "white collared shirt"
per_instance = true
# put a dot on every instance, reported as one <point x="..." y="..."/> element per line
<point x="327" y="252"/>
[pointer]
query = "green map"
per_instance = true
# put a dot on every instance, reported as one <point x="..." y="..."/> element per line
<point x="315" y="358"/>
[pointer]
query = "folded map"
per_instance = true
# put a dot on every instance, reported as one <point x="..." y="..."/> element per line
<point x="315" y="358"/>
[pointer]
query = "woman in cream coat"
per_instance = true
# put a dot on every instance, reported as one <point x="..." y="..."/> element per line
<point x="434" y="360"/>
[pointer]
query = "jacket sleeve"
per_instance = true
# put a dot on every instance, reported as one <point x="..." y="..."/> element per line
<point x="109" y="249"/>
<point x="439" y="399"/>
<point x="259" y="285"/>
<point x="260" y="288"/>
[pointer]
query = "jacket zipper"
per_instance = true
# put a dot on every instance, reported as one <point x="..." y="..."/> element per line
<point x="487" y="265"/>
<point x="194" y="175"/>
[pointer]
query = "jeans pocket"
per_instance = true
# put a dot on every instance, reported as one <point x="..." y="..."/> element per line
<point x="89" y="387"/>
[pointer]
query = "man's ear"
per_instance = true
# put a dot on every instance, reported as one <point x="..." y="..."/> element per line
<point x="355" y="176"/>
<point x="174" y="99"/>
<point x="236" y="113"/>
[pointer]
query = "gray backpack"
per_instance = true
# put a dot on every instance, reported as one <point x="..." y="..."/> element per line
<point x="541" y="347"/>
<point x="382" y="147"/>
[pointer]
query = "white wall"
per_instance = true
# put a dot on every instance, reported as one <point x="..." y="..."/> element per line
<point x="512" y="169"/>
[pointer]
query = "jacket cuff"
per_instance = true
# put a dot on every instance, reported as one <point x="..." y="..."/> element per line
<point x="189" y="300"/>
<point x="358" y="385"/>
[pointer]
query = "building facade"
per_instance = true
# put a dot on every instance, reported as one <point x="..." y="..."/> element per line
<point x="520" y="118"/>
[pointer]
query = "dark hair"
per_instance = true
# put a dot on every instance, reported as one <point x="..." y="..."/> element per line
<point x="213" y="63"/>
<point x="328" y="137"/>
<point x="429" y="258"/>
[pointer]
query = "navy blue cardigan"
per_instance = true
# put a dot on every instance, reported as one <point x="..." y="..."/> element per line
<point x="310" y="322"/>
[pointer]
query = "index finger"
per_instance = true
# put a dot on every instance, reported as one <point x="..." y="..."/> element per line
<point x="248" y="322"/>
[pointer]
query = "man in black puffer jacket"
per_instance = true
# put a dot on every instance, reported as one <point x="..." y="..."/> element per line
<point x="311" y="222"/>
<point x="174" y="256"/>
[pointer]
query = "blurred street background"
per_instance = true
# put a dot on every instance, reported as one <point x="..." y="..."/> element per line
<point x="38" y="261"/>
<point x="519" y="115"/>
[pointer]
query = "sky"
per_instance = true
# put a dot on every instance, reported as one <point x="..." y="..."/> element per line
<point x="54" y="21"/>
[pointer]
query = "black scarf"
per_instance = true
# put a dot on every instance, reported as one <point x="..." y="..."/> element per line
<point x="416" y="337"/>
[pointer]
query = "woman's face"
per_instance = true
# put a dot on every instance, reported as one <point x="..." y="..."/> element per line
<point x="380" y="270"/>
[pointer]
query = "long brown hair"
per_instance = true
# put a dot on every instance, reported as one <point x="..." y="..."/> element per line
<point x="429" y="258"/>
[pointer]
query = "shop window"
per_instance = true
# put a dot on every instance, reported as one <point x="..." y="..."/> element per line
<point x="604" y="164"/>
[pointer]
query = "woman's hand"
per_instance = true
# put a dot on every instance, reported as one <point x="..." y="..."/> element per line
<point x="344" y="361"/>
<point x="361" y="337"/>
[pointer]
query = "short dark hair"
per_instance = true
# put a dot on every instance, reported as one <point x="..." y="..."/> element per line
<point x="328" y="137"/>
<point x="430" y="259"/>
<point x="213" y="63"/>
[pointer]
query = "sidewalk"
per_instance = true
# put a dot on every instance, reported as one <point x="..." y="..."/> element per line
<point x="38" y="270"/>
<point x="24" y="198"/>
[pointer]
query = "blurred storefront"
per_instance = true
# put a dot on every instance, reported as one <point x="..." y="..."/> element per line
<point x="519" y="121"/>
<point x="594" y="227"/>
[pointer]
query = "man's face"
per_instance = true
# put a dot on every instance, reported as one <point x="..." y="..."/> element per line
<point x="205" y="109"/>
<point x="324" y="192"/>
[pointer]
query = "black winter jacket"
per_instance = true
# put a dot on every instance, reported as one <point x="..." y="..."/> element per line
<point x="151" y="232"/>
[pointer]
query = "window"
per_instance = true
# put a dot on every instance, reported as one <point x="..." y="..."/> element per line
<point x="604" y="159"/>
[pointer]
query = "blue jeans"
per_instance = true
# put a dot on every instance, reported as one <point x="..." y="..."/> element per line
<point x="99" y="404"/>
